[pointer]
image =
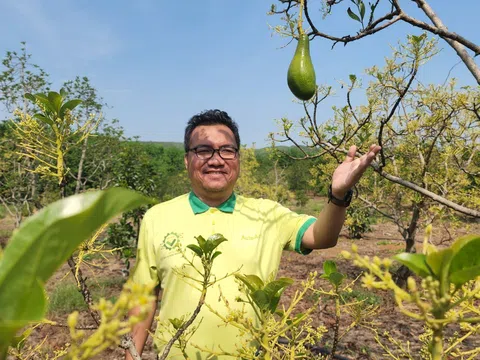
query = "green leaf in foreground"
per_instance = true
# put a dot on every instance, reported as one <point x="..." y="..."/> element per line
<point x="465" y="263"/>
<point x="43" y="243"/>
<point x="415" y="262"/>
<point x="329" y="267"/>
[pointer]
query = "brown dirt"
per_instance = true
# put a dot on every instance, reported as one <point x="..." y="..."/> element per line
<point x="383" y="241"/>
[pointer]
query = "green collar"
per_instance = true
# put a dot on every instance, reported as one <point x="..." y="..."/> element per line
<point x="198" y="206"/>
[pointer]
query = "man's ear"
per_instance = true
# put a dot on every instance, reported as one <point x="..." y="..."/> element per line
<point x="185" y="160"/>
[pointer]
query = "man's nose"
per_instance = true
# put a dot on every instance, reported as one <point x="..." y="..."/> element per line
<point x="216" y="159"/>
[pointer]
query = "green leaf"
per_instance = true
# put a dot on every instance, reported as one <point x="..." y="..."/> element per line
<point x="69" y="105"/>
<point x="44" y="242"/>
<point x="465" y="263"/>
<point x="353" y="15"/>
<point x="177" y="323"/>
<point x="329" y="267"/>
<point x="253" y="282"/>
<point x="201" y="241"/>
<point x="260" y="298"/>
<point x="336" y="278"/>
<point x="43" y="118"/>
<point x="43" y="99"/>
<point x="353" y="78"/>
<point x="272" y="288"/>
<point x="30" y="97"/>
<point x="196" y="249"/>
<point x="362" y="9"/>
<point x="415" y="262"/>
<point x="215" y="254"/>
<point x="462" y="276"/>
<point x="216" y="240"/>
<point x="63" y="93"/>
<point x="439" y="262"/>
<point x="274" y="291"/>
<point x="273" y="303"/>
<point x="56" y="100"/>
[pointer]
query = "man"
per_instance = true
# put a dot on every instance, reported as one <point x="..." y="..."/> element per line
<point x="257" y="231"/>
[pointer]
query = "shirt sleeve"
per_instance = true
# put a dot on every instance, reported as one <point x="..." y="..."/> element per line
<point x="145" y="270"/>
<point x="291" y="227"/>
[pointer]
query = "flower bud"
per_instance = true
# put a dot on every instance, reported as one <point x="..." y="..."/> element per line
<point x="412" y="285"/>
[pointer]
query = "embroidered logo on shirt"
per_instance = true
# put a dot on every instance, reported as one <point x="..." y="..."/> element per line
<point x="171" y="240"/>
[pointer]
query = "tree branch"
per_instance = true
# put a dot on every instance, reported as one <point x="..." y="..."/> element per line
<point x="454" y="40"/>
<point x="376" y="167"/>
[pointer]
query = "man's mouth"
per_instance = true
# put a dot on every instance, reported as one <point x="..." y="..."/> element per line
<point x="215" y="172"/>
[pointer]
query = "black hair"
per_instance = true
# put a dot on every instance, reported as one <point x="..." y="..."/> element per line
<point x="210" y="117"/>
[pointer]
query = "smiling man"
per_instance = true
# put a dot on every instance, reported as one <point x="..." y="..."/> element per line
<point x="257" y="230"/>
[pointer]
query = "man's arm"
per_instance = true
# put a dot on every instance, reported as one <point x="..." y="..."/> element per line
<point x="140" y="330"/>
<point x="324" y="232"/>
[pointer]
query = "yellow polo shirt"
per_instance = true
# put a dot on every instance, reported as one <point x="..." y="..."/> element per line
<point x="257" y="231"/>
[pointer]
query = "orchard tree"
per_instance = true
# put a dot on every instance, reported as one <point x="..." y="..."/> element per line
<point x="429" y="136"/>
<point x="90" y="107"/>
<point x="18" y="185"/>
<point x="431" y="124"/>
<point x="372" y="18"/>
<point x="249" y="185"/>
<point x="19" y="77"/>
<point x="15" y="180"/>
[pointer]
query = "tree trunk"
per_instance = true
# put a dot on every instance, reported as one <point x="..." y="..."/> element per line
<point x="80" y="165"/>
<point x="401" y="275"/>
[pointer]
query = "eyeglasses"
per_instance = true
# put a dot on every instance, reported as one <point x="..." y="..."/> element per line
<point x="206" y="152"/>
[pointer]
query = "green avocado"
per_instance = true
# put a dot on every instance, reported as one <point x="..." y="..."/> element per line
<point x="301" y="74"/>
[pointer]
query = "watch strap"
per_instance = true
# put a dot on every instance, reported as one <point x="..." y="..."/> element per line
<point x="345" y="202"/>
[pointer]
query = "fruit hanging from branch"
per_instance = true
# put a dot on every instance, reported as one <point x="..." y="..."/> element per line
<point x="301" y="74"/>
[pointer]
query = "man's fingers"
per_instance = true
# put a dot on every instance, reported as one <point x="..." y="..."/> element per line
<point x="373" y="151"/>
<point x="351" y="153"/>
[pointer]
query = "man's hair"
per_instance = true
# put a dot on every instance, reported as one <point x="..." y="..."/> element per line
<point x="210" y="117"/>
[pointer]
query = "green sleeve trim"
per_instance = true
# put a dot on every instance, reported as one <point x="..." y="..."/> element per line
<point x="298" y="242"/>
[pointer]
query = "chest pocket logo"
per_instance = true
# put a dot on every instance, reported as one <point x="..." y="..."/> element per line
<point x="171" y="240"/>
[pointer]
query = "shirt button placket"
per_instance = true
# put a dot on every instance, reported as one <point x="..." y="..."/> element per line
<point x="212" y="216"/>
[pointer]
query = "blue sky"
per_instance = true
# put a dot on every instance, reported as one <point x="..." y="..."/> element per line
<point x="157" y="63"/>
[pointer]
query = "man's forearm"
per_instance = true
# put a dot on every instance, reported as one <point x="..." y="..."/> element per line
<point x="324" y="232"/>
<point x="328" y="226"/>
<point x="140" y="330"/>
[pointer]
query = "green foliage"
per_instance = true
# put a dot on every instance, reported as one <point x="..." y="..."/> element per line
<point x="20" y="76"/>
<point x="40" y="243"/>
<point x="66" y="298"/>
<point x="366" y="297"/>
<point x="205" y="248"/>
<point x="447" y="295"/>
<point x="358" y="221"/>
<point x="121" y="236"/>
<point x="457" y="264"/>
<point x="265" y="296"/>
<point x="331" y="274"/>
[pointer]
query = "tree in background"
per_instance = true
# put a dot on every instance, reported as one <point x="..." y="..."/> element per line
<point x="20" y="77"/>
<point x="91" y="106"/>
<point x="428" y="133"/>
<point x="18" y="184"/>
<point x="249" y="185"/>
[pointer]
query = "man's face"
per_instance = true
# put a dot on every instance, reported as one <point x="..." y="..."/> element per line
<point x="212" y="179"/>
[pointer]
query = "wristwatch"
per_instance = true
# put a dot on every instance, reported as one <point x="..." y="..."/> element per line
<point x="340" y="202"/>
